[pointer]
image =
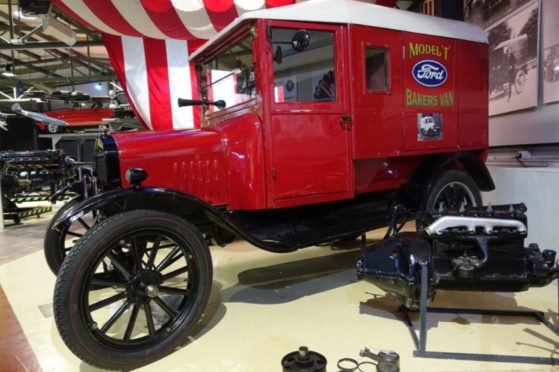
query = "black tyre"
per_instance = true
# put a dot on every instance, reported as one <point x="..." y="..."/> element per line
<point x="57" y="244"/>
<point x="132" y="289"/>
<point x="452" y="189"/>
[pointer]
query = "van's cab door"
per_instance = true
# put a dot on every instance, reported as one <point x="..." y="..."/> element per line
<point x="310" y="121"/>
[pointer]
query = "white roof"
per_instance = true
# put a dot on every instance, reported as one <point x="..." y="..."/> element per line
<point x="361" y="13"/>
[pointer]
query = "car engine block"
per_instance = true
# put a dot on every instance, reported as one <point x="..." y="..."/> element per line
<point x="476" y="249"/>
<point x="27" y="171"/>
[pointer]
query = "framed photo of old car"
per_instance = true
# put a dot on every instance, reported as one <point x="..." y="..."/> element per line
<point x="484" y="13"/>
<point x="550" y="55"/>
<point x="513" y="61"/>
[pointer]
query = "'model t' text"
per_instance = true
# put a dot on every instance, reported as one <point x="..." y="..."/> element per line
<point x="416" y="49"/>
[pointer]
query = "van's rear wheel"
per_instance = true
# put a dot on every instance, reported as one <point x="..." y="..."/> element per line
<point x="132" y="289"/>
<point x="452" y="190"/>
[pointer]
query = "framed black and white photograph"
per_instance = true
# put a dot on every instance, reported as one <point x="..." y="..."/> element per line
<point x="513" y="62"/>
<point x="550" y="46"/>
<point x="486" y="12"/>
<point x="429" y="126"/>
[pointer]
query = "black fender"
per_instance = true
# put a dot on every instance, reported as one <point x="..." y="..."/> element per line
<point x="195" y="210"/>
<point x="426" y="174"/>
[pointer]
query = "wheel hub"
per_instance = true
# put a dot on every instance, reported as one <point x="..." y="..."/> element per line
<point x="152" y="291"/>
<point x="144" y="286"/>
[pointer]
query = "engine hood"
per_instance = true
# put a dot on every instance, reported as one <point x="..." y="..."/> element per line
<point x="190" y="161"/>
<point x="165" y="144"/>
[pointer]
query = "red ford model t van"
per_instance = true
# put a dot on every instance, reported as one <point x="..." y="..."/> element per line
<point x="316" y="119"/>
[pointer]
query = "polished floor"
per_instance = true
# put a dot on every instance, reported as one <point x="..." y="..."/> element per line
<point x="266" y="305"/>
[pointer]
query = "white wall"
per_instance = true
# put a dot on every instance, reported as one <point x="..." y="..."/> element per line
<point x="538" y="188"/>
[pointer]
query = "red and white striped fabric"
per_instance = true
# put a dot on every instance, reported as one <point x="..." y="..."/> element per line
<point x="149" y="42"/>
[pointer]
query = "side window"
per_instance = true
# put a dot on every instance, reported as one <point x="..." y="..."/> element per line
<point x="303" y="74"/>
<point x="376" y="68"/>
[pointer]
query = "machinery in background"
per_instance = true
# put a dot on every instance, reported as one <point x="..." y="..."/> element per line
<point x="30" y="176"/>
<point x="42" y="118"/>
<point x="85" y="113"/>
<point x="474" y="249"/>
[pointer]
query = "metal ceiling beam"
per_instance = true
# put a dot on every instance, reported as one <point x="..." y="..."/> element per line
<point x="60" y="81"/>
<point x="41" y="86"/>
<point x="29" y="69"/>
<point x="49" y="45"/>
<point x="94" y="61"/>
<point x="19" y="62"/>
<point x="25" y="28"/>
<point x="61" y="52"/>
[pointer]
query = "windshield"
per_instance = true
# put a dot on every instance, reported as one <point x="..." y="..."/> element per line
<point x="230" y="75"/>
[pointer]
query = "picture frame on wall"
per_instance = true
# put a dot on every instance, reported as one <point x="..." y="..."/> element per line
<point x="513" y="60"/>
<point x="486" y="12"/>
<point x="550" y="49"/>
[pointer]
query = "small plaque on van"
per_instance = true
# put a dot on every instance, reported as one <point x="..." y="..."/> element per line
<point x="429" y="126"/>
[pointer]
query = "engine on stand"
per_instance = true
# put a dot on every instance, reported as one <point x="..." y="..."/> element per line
<point x="476" y="249"/>
<point x="26" y="174"/>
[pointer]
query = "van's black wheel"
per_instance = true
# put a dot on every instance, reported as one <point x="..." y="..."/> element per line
<point x="452" y="190"/>
<point x="132" y="289"/>
<point x="57" y="244"/>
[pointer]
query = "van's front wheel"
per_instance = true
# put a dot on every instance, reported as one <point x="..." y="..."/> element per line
<point x="132" y="289"/>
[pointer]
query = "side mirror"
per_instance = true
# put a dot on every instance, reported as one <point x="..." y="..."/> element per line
<point x="300" y="40"/>
<point x="278" y="55"/>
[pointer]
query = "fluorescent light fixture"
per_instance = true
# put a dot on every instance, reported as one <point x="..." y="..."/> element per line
<point x="58" y="30"/>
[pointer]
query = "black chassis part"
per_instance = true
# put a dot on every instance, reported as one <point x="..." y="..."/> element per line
<point x="107" y="164"/>
<point x="282" y="230"/>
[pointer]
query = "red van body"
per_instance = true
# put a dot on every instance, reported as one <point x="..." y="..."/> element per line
<point x="264" y="154"/>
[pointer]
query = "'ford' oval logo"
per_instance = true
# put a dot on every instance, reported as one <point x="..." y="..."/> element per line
<point x="429" y="73"/>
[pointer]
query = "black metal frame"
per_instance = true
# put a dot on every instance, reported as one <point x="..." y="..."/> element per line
<point x="271" y="230"/>
<point x="421" y="341"/>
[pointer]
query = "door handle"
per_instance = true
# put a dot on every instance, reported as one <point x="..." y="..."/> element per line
<point x="346" y="122"/>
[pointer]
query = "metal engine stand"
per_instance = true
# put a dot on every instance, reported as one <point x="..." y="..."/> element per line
<point x="421" y="341"/>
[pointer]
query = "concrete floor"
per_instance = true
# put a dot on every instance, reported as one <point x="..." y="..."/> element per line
<point x="265" y="305"/>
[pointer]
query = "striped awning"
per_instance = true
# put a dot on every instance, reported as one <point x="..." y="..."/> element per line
<point x="149" y="41"/>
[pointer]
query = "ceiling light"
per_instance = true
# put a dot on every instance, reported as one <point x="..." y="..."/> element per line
<point x="58" y="30"/>
<point x="8" y="71"/>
